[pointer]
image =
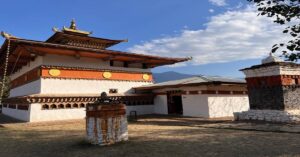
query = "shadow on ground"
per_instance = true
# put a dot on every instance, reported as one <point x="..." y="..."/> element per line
<point x="8" y="120"/>
<point x="148" y="137"/>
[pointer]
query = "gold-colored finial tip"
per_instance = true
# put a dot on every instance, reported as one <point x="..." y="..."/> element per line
<point x="54" y="29"/>
<point x="73" y="24"/>
<point x="7" y="36"/>
<point x="73" y="29"/>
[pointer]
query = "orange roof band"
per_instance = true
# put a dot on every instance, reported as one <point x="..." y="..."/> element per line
<point x="80" y="73"/>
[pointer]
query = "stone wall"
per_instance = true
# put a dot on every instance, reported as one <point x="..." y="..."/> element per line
<point x="289" y="116"/>
<point x="291" y="97"/>
<point x="274" y="87"/>
<point x="275" y="98"/>
<point x="266" y="98"/>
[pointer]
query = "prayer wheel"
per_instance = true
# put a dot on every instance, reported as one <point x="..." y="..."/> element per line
<point x="106" y="122"/>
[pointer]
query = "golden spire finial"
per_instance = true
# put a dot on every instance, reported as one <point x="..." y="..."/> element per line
<point x="73" y="25"/>
<point x="7" y="36"/>
<point x="73" y="29"/>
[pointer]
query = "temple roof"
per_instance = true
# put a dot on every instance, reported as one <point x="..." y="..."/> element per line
<point x="73" y="42"/>
<point x="80" y="38"/>
<point x="287" y="64"/>
<point x="192" y="81"/>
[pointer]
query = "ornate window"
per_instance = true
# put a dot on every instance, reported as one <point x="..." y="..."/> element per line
<point x="75" y="105"/>
<point x="45" y="107"/>
<point x="53" y="106"/>
<point x="61" y="106"/>
<point x="23" y="107"/>
<point x="113" y="91"/>
<point x="68" y="106"/>
<point x="82" y="105"/>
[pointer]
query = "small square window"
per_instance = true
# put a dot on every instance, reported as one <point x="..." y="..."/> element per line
<point x="295" y="81"/>
<point x="113" y="91"/>
<point x="145" y="66"/>
<point x="126" y="64"/>
<point x="111" y="63"/>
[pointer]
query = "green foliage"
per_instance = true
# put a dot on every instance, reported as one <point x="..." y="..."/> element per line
<point x="6" y="87"/>
<point x="284" y="12"/>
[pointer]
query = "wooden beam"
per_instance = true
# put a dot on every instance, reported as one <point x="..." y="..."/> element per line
<point x="77" y="55"/>
<point x="138" y="61"/>
<point x="108" y="58"/>
<point x="33" y="51"/>
<point x="10" y="66"/>
<point x="24" y="57"/>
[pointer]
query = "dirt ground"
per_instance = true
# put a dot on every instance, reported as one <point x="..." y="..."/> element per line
<point x="149" y="137"/>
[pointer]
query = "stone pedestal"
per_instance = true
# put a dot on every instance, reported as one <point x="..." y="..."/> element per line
<point x="273" y="90"/>
<point x="106" y="124"/>
<point x="288" y="116"/>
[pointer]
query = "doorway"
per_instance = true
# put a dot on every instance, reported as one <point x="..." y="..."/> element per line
<point x="175" y="103"/>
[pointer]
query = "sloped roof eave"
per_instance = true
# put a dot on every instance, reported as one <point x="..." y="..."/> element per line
<point x="188" y="84"/>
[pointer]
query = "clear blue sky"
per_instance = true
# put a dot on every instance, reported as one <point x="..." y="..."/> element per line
<point x="138" y="20"/>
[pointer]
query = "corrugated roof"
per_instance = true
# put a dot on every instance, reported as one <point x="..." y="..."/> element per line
<point x="195" y="80"/>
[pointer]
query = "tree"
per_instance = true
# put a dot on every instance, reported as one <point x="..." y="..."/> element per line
<point x="284" y="12"/>
<point x="6" y="87"/>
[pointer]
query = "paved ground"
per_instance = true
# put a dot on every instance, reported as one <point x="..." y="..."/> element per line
<point x="150" y="136"/>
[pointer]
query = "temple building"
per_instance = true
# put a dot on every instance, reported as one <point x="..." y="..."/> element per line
<point x="56" y="78"/>
<point x="199" y="96"/>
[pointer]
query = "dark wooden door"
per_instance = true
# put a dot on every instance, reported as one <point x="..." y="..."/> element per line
<point x="175" y="104"/>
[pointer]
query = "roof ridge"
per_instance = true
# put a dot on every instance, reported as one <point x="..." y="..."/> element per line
<point x="188" y="80"/>
<point x="28" y="41"/>
<point x="217" y="76"/>
<point x="205" y="78"/>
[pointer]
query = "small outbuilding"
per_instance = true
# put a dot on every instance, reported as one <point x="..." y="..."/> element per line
<point x="199" y="96"/>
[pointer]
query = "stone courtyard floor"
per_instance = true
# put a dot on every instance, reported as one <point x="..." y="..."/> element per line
<point x="152" y="136"/>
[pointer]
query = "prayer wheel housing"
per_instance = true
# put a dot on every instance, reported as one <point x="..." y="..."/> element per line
<point x="106" y="121"/>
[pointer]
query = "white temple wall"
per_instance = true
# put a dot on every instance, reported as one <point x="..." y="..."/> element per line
<point x="195" y="105"/>
<point x="84" y="62"/>
<point x="35" y="113"/>
<point x="205" y="105"/>
<point x="30" y="66"/>
<point x="160" y="104"/>
<point x="38" y="115"/>
<point x="82" y="86"/>
<point x="23" y="115"/>
<point x="26" y="89"/>
<point x="140" y="109"/>
<point x="226" y="105"/>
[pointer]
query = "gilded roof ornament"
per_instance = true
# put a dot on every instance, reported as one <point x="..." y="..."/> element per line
<point x="7" y="36"/>
<point x="54" y="29"/>
<point x="73" y="29"/>
<point x="73" y="25"/>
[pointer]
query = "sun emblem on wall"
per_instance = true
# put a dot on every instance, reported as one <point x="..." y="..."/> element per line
<point x="146" y="77"/>
<point x="107" y="75"/>
<point x="54" y="72"/>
